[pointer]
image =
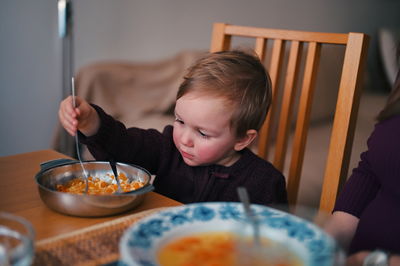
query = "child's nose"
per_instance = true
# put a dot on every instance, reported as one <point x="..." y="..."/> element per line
<point x="186" y="138"/>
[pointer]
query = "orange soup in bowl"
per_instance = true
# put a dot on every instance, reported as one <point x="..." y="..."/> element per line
<point x="224" y="249"/>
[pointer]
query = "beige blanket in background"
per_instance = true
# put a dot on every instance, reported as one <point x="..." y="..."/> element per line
<point x="137" y="94"/>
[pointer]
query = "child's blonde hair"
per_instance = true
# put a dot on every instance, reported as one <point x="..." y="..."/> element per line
<point x="238" y="77"/>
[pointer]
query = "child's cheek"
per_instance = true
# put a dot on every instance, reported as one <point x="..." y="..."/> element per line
<point x="175" y="136"/>
<point x="206" y="153"/>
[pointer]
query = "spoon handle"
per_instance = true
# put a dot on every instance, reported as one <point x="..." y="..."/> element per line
<point x="77" y="141"/>
<point x="244" y="198"/>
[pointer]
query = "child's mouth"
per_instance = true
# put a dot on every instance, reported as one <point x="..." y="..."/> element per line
<point x="186" y="155"/>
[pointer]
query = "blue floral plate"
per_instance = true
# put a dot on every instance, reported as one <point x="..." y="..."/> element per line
<point x="139" y="244"/>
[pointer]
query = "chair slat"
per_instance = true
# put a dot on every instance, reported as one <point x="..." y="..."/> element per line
<point x="274" y="72"/>
<point x="260" y="48"/>
<point x="287" y="104"/>
<point x="303" y="118"/>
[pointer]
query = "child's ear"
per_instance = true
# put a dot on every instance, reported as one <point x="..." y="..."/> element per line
<point x="245" y="141"/>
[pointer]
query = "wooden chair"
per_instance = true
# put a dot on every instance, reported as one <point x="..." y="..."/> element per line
<point x="285" y="77"/>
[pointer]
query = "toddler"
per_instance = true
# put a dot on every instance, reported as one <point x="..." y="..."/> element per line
<point x="220" y="106"/>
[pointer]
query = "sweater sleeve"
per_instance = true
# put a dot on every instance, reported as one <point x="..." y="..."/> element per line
<point x="132" y="145"/>
<point x="359" y="190"/>
<point x="365" y="181"/>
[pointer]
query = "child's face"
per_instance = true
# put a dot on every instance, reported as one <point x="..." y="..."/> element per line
<point x="202" y="132"/>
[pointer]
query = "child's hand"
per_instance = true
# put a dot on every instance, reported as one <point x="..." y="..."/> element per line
<point x="83" y="118"/>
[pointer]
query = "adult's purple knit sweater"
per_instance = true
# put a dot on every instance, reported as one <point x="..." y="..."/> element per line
<point x="372" y="193"/>
<point x="156" y="152"/>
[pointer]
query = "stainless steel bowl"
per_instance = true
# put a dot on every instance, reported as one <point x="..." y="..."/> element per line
<point x="62" y="170"/>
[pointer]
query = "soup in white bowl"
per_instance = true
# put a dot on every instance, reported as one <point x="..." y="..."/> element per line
<point x="144" y="241"/>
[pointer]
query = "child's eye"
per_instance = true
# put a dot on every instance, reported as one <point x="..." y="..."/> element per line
<point x="203" y="135"/>
<point x="179" y="120"/>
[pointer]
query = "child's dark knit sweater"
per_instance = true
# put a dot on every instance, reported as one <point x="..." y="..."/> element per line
<point x="156" y="152"/>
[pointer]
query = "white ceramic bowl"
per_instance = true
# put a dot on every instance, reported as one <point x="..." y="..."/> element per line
<point x="139" y="244"/>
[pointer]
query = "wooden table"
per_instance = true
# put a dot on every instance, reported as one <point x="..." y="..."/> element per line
<point x="19" y="195"/>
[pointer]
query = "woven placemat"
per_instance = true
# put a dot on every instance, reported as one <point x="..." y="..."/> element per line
<point x="94" y="245"/>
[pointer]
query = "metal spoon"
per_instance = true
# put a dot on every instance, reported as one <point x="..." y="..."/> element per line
<point x="77" y="142"/>
<point x="244" y="198"/>
<point x="114" y="169"/>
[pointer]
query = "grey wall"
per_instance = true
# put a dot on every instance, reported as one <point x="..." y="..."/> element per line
<point x="30" y="56"/>
<point x="30" y="74"/>
<point x="143" y="30"/>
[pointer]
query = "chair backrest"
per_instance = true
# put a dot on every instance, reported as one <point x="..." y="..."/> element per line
<point x="285" y="76"/>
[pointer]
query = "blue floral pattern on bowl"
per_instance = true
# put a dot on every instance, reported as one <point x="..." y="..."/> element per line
<point x="139" y="243"/>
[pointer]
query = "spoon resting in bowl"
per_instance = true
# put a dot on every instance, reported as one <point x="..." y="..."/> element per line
<point x="114" y="169"/>
<point x="244" y="198"/>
